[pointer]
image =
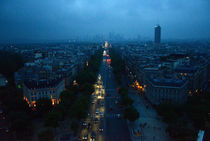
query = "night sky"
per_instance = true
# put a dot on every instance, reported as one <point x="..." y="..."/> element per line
<point x="62" y="19"/>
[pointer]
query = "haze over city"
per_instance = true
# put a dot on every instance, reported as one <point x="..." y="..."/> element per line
<point x="37" y="20"/>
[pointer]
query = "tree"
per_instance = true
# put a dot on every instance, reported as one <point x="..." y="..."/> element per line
<point x="131" y="113"/>
<point x="46" y="135"/>
<point x="87" y="88"/>
<point x="20" y="123"/>
<point x="74" y="126"/>
<point x="52" y="119"/>
<point x="125" y="99"/>
<point x="67" y="98"/>
<point x="61" y="108"/>
<point x="11" y="62"/>
<point x="123" y="91"/>
<point x="43" y="105"/>
<point x="80" y="107"/>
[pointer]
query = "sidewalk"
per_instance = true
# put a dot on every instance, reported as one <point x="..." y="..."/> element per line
<point x="150" y="124"/>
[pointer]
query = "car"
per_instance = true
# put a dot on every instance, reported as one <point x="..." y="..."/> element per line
<point x="4" y="129"/>
<point x="118" y="116"/>
<point x="89" y="126"/>
<point x="101" y="114"/>
<point x="95" y="120"/>
<point x="93" y="135"/>
<point x="92" y="101"/>
<point x="95" y="95"/>
<point x="97" y="111"/>
<point x="85" y="137"/>
<point x="100" y="129"/>
<point x="84" y="124"/>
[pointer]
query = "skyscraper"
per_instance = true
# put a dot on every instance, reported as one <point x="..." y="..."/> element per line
<point x="157" y="34"/>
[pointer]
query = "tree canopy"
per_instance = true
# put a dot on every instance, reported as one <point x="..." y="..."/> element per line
<point x="46" y="135"/>
<point x="131" y="113"/>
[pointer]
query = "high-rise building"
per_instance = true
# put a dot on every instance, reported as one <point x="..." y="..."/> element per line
<point x="157" y="34"/>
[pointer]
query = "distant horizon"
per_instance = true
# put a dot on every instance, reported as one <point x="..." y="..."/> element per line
<point x="73" y="39"/>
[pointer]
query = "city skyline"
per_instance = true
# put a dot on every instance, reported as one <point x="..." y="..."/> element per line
<point x="90" y="70"/>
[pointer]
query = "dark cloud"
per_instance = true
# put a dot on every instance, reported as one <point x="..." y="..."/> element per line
<point x="59" y="19"/>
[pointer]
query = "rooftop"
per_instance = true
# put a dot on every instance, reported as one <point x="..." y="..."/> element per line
<point x="166" y="82"/>
<point x="31" y="84"/>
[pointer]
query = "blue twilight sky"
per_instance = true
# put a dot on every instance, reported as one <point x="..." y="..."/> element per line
<point x="61" y="19"/>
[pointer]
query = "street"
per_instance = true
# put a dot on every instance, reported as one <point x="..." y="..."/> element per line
<point x="105" y="117"/>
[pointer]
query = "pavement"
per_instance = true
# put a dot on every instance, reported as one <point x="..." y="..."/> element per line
<point x="149" y="122"/>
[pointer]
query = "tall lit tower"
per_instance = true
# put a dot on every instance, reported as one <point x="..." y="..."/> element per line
<point x="157" y="34"/>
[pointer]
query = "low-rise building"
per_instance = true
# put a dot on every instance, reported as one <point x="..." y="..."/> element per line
<point x="159" y="90"/>
<point x="34" y="90"/>
<point x="197" y="77"/>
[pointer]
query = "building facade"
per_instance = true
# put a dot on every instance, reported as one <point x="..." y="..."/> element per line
<point x="160" y="90"/>
<point x="34" y="90"/>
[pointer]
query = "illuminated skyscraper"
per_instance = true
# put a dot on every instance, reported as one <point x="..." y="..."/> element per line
<point x="157" y="34"/>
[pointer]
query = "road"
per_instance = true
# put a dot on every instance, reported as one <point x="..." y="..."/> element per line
<point x="114" y="127"/>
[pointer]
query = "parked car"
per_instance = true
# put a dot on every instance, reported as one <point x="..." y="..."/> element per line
<point x="85" y="137"/>
<point x="100" y="128"/>
<point x="95" y="120"/>
<point x="84" y="124"/>
<point x="101" y="114"/>
<point x="93" y="135"/>
<point x="4" y="129"/>
<point x="97" y="111"/>
<point x="118" y="116"/>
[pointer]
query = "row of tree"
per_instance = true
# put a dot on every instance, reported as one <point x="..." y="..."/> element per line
<point x="15" y="109"/>
<point x="130" y="112"/>
<point x="118" y="65"/>
<point x="184" y="121"/>
<point x="74" y="102"/>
